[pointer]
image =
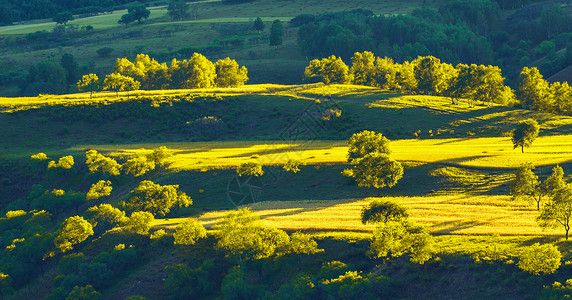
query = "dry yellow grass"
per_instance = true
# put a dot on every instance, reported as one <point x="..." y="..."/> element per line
<point x="467" y="152"/>
<point x="444" y="215"/>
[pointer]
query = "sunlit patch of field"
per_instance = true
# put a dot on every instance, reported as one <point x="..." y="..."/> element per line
<point x="444" y="215"/>
<point x="469" y="152"/>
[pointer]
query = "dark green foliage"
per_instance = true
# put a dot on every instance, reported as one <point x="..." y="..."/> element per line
<point x="70" y="263"/>
<point x="84" y="293"/>
<point x="186" y="282"/>
<point x="63" y="17"/>
<point x="178" y="9"/>
<point x="71" y="67"/>
<point x="380" y="210"/>
<point x="104" y="52"/>
<point x="235" y="285"/>
<point x="135" y="13"/>
<point x="276" y="33"/>
<point x="258" y="24"/>
<point x="45" y="78"/>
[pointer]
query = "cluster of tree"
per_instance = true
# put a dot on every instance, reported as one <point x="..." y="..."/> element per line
<point x="372" y="167"/>
<point x="557" y="211"/>
<point x="148" y="74"/>
<point x="16" y="11"/>
<point x="429" y="75"/>
<point x="458" y="31"/>
<point x="535" y="93"/>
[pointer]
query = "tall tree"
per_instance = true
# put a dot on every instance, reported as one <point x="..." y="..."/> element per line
<point x="558" y="211"/>
<point x="258" y="25"/>
<point x="526" y="132"/>
<point x="276" y="33"/>
<point x="532" y="90"/>
<point x="69" y="64"/>
<point x="178" y="10"/>
<point x="363" y="69"/>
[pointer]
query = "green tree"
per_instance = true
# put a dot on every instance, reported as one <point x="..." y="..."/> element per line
<point x="229" y="74"/>
<point x="138" y="165"/>
<point x="561" y="93"/>
<point x="383" y="211"/>
<point x="186" y="282"/>
<point x="71" y="67"/>
<point x="276" y="33"/>
<point x="105" y="51"/>
<point x="243" y="234"/>
<point x="135" y="13"/>
<point x="97" y="162"/>
<point x="526" y="132"/>
<point x="301" y="243"/>
<point x="331" y="70"/>
<point x="393" y="239"/>
<point x="532" y="90"/>
<point x="105" y="217"/>
<point x="554" y="182"/>
<point x="89" y="83"/>
<point x="139" y="222"/>
<point x="366" y="142"/>
<point x="250" y="169"/>
<point x="157" y="199"/>
<point x="536" y="259"/>
<point x="84" y="293"/>
<point x="258" y="25"/>
<point x="100" y="189"/>
<point x="363" y="68"/>
<point x="378" y="171"/>
<point x="120" y="83"/>
<point x="525" y="184"/>
<point x="433" y="77"/>
<point x="292" y="165"/>
<point x="188" y="232"/>
<point x="202" y="73"/>
<point x="74" y="230"/>
<point x="386" y="73"/>
<point x="63" y="17"/>
<point x="178" y="10"/>
<point x="558" y="210"/>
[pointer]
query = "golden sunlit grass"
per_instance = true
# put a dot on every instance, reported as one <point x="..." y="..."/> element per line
<point x="467" y="152"/>
<point x="444" y="215"/>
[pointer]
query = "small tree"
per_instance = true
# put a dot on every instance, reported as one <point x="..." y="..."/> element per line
<point x="119" y="83"/>
<point x="538" y="259"/>
<point x="188" y="232"/>
<point x="157" y="199"/>
<point x="525" y="184"/>
<point x="139" y="222"/>
<point x="378" y="171"/>
<point x="396" y="238"/>
<point x="105" y="217"/>
<point x="100" y="189"/>
<point x="73" y="231"/>
<point x="229" y="73"/>
<point x="63" y="17"/>
<point x="554" y="182"/>
<point x="97" y="162"/>
<point x="526" y="132"/>
<point x="259" y="25"/>
<point x="366" y="142"/>
<point x="135" y="13"/>
<point x="85" y="293"/>
<point x="383" y="211"/>
<point x="105" y="51"/>
<point x="558" y="210"/>
<point x="89" y="83"/>
<point x="276" y="33"/>
<point x="250" y="169"/>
